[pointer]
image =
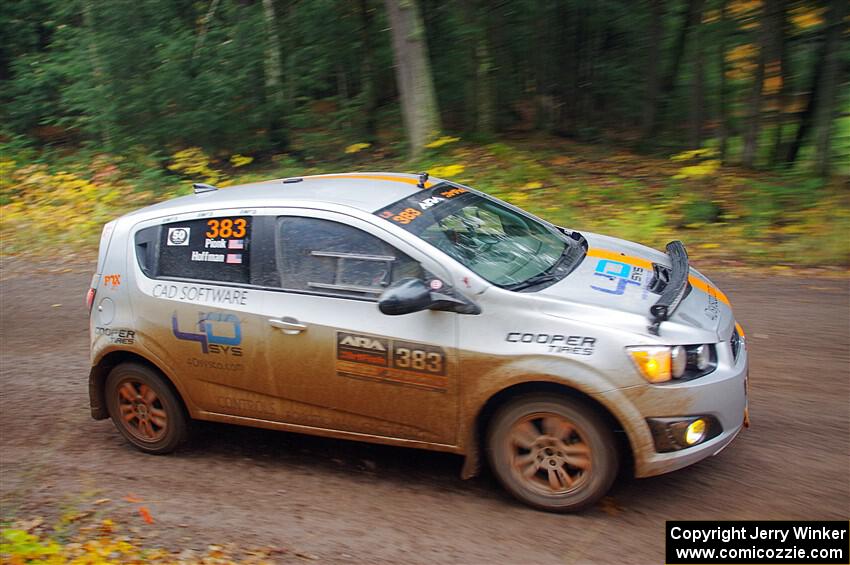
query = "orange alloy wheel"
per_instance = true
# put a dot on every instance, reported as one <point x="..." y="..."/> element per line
<point x="145" y="408"/>
<point x="142" y="412"/>
<point x="553" y="452"/>
<point x="549" y="453"/>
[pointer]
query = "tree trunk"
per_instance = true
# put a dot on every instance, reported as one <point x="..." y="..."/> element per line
<point x="273" y="71"/>
<point x="290" y="40"/>
<point x="824" y="117"/>
<point x="100" y="79"/>
<point x="543" y="103"/>
<point x="655" y="48"/>
<point x="413" y="74"/>
<point x="781" y="33"/>
<point x="723" y="98"/>
<point x="805" y="121"/>
<point x="668" y="84"/>
<point x="485" y="121"/>
<point x="367" y="73"/>
<point x="480" y="105"/>
<point x="697" y="89"/>
<point x="831" y="42"/>
<point x="754" y="114"/>
<point x="202" y="32"/>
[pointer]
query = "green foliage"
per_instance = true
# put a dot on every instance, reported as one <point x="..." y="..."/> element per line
<point x="700" y="212"/>
<point x="83" y="539"/>
<point x="108" y="105"/>
<point x="24" y="547"/>
<point x="166" y="76"/>
<point x="734" y="215"/>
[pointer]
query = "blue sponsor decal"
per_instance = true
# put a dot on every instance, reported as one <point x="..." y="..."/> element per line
<point x="210" y="332"/>
<point x="619" y="273"/>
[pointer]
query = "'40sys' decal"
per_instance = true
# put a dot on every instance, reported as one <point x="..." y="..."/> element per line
<point x="217" y="333"/>
<point x="621" y="274"/>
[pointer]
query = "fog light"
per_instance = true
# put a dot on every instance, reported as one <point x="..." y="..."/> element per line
<point x="695" y="432"/>
<point x="683" y="432"/>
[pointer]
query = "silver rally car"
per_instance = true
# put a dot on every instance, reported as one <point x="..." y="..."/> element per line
<point x="417" y="312"/>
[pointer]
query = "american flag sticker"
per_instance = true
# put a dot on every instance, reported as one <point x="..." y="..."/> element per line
<point x="234" y="258"/>
<point x="236" y="244"/>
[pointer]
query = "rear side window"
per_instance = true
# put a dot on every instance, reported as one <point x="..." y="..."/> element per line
<point x="328" y="257"/>
<point x="212" y="249"/>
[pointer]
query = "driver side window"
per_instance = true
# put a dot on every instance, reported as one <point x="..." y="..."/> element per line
<point x="327" y="257"/>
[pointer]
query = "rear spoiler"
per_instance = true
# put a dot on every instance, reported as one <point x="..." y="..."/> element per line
<point x="676" y="289"/>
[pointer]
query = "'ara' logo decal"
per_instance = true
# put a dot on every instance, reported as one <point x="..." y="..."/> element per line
<point x="362" y="342"/>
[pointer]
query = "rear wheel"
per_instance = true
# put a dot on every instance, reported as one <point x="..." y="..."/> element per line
<point x="552" y="453"/>
<point x="145" y="409"/>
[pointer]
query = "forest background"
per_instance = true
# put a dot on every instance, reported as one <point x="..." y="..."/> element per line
<point x="724" y="123"/>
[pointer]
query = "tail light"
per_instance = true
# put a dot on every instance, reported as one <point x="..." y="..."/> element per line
<point x="92" y="291"/>
<point x="90" y="298"/>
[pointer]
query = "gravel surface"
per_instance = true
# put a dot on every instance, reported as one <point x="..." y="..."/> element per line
<point x="342" y="501"/>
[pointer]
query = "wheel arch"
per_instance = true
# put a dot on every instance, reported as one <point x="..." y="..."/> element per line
<point x="100" y="371"/>
<point x="497" y="400"/>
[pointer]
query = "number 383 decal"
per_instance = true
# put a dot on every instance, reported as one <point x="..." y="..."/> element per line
<point x="378" y="351"/>
<point x="417" y="359"/>
<point x="226" y="228"/>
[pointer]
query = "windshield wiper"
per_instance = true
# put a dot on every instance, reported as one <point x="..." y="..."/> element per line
<point x="546" y="276"/>
<point x="535" y="280"/>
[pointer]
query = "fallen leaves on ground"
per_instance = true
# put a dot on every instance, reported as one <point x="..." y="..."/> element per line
<point x="30" y="542"/>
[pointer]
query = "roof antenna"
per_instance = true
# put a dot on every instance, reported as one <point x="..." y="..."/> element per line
<point x="201" y="187"/>
<point x="423" y="178"/>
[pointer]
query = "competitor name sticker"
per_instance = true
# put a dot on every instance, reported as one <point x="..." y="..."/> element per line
<point x="216" y="249"/>
<point x="207" y="256"/>
<point x="381" y="359"/>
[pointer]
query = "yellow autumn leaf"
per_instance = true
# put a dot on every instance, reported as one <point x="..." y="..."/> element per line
<point x="441" y="141"/>
<point x="805" y="17"/>
<point x="700" y="170"/>
<point x="357" y="147"/>
<point x="532" y="185"/>
<point x="739" y="9"/>
<point x="240" y="160"/>
<point x="447" y="171"/>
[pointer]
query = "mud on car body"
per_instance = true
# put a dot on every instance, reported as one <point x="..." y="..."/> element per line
<point x="416" y="312"/>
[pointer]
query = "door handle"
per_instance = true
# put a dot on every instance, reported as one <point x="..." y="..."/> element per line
<point x="289" y="326"/>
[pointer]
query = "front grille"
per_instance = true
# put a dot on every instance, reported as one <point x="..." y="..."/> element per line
<point x="735" y="343"/>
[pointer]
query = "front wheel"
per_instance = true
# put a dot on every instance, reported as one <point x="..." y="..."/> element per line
<point x="552" y="453"/>
<point x="145" y="409"/>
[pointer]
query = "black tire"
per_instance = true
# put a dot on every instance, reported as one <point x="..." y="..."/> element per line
<point x="155" y="421"/>
<point x="580" y="445"/>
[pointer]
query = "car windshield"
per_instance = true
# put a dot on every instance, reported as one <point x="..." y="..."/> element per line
<point x="505" y="247"/>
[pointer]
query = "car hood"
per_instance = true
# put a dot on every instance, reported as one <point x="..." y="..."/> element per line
<point x="614" y="281"/>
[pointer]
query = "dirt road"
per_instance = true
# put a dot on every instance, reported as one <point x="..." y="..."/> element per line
<point x="349" y="502"/>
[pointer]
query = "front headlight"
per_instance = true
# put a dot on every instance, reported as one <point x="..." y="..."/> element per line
<point x="661" y="363"/>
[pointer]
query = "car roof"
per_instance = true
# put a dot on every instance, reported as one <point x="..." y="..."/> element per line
<point x="364" y="191"/>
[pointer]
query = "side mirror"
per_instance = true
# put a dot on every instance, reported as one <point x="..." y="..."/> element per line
<point x="405" y="297"/>
<point x="413" y="295"/>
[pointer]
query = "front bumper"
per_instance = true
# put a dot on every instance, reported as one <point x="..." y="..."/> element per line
<point x="722" y="394"/>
